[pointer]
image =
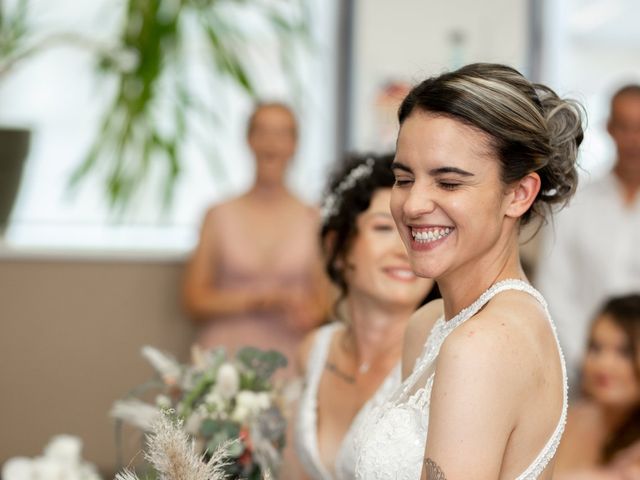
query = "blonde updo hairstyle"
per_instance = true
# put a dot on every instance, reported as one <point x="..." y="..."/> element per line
<point x="531" y="129"/>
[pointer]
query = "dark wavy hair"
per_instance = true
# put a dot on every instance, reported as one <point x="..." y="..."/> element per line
<point x="341" y="222"/>
<point x="624" y="311"/>
<point x="531" y="129"/>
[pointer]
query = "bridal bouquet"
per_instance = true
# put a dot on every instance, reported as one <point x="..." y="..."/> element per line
<point x="218" y="401"/>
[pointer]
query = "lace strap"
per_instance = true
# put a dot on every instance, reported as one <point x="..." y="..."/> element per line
<point x="499" y="287"/>
<point x="547" y="453"/>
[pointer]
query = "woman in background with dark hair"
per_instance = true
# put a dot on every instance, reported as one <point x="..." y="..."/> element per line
<point x="602" y="439"/>
<point x="352" y="364"/>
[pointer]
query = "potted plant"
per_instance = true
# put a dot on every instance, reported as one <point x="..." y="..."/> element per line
<point x="147" y="61"/>
<point x="149" y="67"/>
<point x="14" y="142"/>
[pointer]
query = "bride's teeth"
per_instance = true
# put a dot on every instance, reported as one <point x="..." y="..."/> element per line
<point x="426" y="236"/>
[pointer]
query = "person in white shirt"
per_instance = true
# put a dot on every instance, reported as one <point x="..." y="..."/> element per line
<point x="592" y="251"/>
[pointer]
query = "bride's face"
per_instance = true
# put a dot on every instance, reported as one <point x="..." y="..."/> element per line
<point x="376" y="264"/>
<point x="610" y="374"/>
<point x="448" y="200"/>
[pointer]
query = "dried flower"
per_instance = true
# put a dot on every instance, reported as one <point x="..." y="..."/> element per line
<point x="173" y="455"/>
<point x="135" y="412"/>
<point x="165" y="365"/>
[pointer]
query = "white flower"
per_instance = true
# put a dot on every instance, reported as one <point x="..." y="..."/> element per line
<point x="64" y="449"/>
<point x="251" y="403"/>
<point x="61" y="461"/>
<point x="240" y="414"/>
<point x="228" y="381"/>
<point x="164" y="364"/>
<point x="163" y="402"/>
<point x="247" y="399"/>
<point x="214" y="400"/>
<point x="89" y="472"/>
<point x="46" y="468"/>
<point x="18" y="468"/>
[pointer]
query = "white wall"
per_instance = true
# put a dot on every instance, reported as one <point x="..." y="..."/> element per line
<point x="410" y="39"/>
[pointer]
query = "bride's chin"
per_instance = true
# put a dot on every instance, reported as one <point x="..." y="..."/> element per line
<point x="426" y="272"/>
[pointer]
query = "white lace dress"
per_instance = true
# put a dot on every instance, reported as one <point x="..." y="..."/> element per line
<point x="392" y="439"/>
<point x="306" y="433"/>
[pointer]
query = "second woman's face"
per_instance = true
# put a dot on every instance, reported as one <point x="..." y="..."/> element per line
<point x="272" y="138"/>
<point x="609" y="373"/>
<point x="377" y="264"/>
<point x="448" y="200"/>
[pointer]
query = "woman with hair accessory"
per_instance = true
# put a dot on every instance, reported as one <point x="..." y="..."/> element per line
<point x="602" y="439"/>
<point x="256" y="277"/>
<point x="352" y="364"/>
<point x="480" y="151"/>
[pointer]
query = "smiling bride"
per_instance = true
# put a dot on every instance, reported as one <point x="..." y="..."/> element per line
<point x="480" y="151"/>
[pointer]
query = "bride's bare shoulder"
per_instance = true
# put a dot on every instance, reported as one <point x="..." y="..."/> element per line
<point x="417" y="332"/>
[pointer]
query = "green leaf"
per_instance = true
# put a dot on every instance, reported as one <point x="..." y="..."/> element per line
<point x="154" y="29"/>
<point x="261" y="364"/>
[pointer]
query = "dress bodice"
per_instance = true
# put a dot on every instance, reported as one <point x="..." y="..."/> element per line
<point x="306" y="433"/>
<point x="392" y="439"/>
<point x="239" y="265"/>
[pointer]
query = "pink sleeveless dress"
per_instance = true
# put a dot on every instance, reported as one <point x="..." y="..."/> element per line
<point x="289" y="264"/>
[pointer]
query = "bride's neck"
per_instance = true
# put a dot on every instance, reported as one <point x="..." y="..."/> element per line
<point x="462" y="287"/>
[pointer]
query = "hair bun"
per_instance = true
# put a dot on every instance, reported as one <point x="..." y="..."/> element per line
<point x="564" y="119"/>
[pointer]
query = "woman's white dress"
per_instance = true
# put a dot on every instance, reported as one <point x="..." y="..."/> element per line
<point x="391" y="441"/>
<point x="306" y="432"/>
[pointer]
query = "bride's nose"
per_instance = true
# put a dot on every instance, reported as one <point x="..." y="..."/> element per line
<point x="419" y="201"/>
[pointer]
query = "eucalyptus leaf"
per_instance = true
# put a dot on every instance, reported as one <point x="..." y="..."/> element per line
<point x="263" y="363"/>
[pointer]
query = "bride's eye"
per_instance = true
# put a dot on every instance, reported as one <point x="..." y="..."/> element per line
<point x="448" y="185"/>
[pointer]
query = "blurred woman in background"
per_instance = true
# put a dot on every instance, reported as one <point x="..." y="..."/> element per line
<point x="602" y="438"/>
<point x="256" y="277"/>
<point x="352" y="364"/>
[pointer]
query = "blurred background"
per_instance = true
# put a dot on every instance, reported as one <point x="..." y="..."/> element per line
<point x="125" y="120"/>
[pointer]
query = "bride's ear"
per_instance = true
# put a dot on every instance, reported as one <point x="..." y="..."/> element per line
<point x="522" y="194"/>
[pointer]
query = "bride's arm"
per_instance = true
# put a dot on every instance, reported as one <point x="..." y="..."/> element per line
<point x="474" y="403"/>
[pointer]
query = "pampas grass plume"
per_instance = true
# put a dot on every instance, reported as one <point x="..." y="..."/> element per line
<point x="173" y="455"/>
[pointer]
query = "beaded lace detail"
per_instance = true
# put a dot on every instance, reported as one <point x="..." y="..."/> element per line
<point x="306" y="432"/>
<point x="392" y="439"/>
